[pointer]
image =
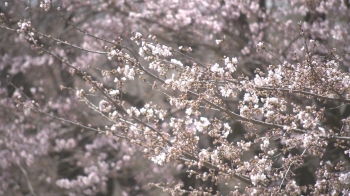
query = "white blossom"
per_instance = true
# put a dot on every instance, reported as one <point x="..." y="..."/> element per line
<point x="177" y="62"/>
<point x="251" y="97"/>
<point x="217" y="69"/>
<point x="159" y="159"/>
<point x="218" y="41"/>
<point x="114" y="92"/>
<point x="225" y="91"/>
<point x="189" y="111"/>
<point x="204" y="155"/>
<point x="129" y="72"/>
<point x="80" y="93"/>
<point x="104" y="106"/>
<point x="260" y="46"/>
<point x="256" y="178"/>
<point x="265" y="144"/>
<point x="201" y="124"/>
<point x="345" y="178"/>
<point x="63" y="183"/>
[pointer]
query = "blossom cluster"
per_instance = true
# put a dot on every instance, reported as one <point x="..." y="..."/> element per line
<point x="264" y="111"/>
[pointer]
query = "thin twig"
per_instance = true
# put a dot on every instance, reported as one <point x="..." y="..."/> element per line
<point x="31" y="190"/>
<point x="285" y="175"/>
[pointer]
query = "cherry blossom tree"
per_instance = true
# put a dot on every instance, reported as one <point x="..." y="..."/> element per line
<point x="158" y="97"/>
